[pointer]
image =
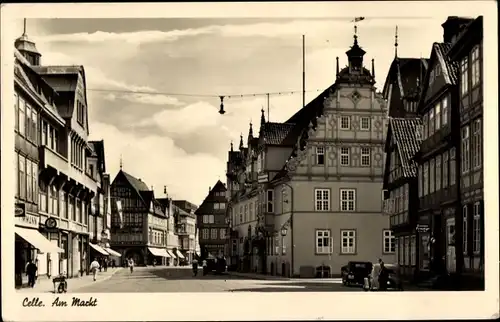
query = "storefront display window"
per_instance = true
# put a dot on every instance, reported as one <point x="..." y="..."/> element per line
<point x="425" y="248"/>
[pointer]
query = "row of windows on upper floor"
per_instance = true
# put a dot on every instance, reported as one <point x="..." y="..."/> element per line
<point x="322" y="202"/>
<point x="213" y="233"/>
<point x="348" y="238"/>
<point x="29" y="125"/>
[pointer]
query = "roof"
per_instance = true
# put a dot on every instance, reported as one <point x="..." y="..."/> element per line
<point x="98" y="147"/>
<point x="473" y="30"/>
<point x="137" y="184"/>
<point x="399" y="68"/>
<point x="404" y="131"/>
<point x="450" y="67"/>
<point x="277" y="133"/>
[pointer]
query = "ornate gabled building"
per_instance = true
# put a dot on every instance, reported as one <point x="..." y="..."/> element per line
<point x="404" y="135"/>
<point x="212" y="223"/>
<point x="140" y="224"/>
<point x="312" y="172"/>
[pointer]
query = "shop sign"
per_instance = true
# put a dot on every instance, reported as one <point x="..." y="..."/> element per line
<point x="28" y="220"/>
<point x="422" y="228"/>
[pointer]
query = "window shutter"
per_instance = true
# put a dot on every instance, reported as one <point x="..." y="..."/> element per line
<point x="331" y="245"/>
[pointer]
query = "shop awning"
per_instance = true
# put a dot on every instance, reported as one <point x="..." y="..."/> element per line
<point x="99" y="249"/>
<point x="37" y="240"/>
<point x="171" y="254"/>
<point x="160" y="252"/>
<point x="179" y="254"/>
<point x="112" y="252"/>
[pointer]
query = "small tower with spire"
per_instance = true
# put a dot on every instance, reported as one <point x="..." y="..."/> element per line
<point x="28" y="48"/>
<point x="396" y="43"/>
<point x="250" y="132"/>
<point x="232" y="150"/>
<point x="355" y="55"/>
<point x="121" y="162"/>
<point x="241" y="142"/>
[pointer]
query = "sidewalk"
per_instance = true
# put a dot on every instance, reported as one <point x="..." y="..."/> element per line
<point x="45" y="285"/>
<point x="255" y="276"/>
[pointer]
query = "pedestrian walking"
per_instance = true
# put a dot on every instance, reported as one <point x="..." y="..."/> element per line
<point x="195" y="267"/>
<point x="204" y="264"/>
<point x="383" y="276"/>
<point x="31" y="270"/>
<point x="94" y="266"/>
<point x="154" y="262"/>
<point x="131" y="264"/>
<point x="113" y="263"/>
<point x="100" y="264"/>
<point x="105" y="265"/>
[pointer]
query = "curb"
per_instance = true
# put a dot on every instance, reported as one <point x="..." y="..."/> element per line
<point x="262" y="278"/>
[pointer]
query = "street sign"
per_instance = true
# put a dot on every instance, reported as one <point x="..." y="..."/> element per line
<point x="20" y="210"/>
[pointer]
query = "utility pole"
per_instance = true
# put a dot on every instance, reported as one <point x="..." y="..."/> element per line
<point x="267" y="106"/>
<point x="303" y="70"/>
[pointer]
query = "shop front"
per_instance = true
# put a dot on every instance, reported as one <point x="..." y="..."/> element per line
<point x="31" y="245"/>
<point x="423" y="236"/>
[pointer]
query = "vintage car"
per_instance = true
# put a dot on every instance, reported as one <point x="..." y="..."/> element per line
<point x="371" y="283"/>
<point x="354" y="272"/>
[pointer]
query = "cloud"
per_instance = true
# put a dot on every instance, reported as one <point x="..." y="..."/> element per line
<point x="310" y="27"/>
<point x="158" y="162"/>
<point x="98" y="81"/>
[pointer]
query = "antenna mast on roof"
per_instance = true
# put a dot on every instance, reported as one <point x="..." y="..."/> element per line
<point x="267" y="106"/>
<point x="396" y="43"/>
<point x="303" y="70"/>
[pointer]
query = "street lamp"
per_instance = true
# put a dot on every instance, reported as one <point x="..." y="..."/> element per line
<point x="284" y="231"/>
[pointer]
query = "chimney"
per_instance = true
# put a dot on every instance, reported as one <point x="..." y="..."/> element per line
<point x="453" y="26"/>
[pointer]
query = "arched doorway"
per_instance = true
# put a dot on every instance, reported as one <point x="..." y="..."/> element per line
<point x="136" y="255"/>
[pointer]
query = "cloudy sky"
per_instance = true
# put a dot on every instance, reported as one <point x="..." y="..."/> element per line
<point x="182" y="141"/>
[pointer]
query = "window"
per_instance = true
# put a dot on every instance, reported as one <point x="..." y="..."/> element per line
<point x="22" y="117"/>
<point x="475" y="68"/>
<point x="270" y="200"/>
<point x="214" y="233"/>
<point x="464" y="79"/>
<point x="211" y="219"/>
<point x="420" y="180"/>
<point x="365" y="156"/>
<point x="29" y="183"/>
<point x="465" y="217"/>
<point x="465" y="149"/>
<point x="54" y="200"/>
<point x="322" y="199"/>
<point x="413" y="251"/>
<point x="22" y="177"/>
<point x="453" y="167"/>
<point x="426" y="179"/>
<point x="16" y="111"/>
<point x="444" y="112"/>
<point x="396" y="250"/>
<point x="276" y="245"/>
<point x="222" y="233"/>
<point x="407" y="250"/>
<point x="389" y="242"/>
<point x="431" y="122"/>
<point x="63" y="199"/>
<point x="425" y="121"/>
<point x="437" y="116"/>
<point x="348" y="241"/>
<point x="34" y="126"/>
<point x="28" y="121"/>
<point x="324" y="242"/>
<point x="347" y="199"/>
<point x="438" y="173"/>
<point x="250" y="210"/>
<point x="344" y="156"/>
<point x="245" y="214"/>
<point x="345" y="123"/>
<point x="476" y="228"/>
<point x="205" y="233"/>
<point x="476" y="144"/>
<point x="432" y="172"/>
<point x="205" y="219"/>
<point x="365" y="123"/>
<point x="320" y="155"/>
<point x="445" y="170"/>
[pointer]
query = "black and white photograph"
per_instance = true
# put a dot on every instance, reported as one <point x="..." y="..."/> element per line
<point x="245" y="156"/>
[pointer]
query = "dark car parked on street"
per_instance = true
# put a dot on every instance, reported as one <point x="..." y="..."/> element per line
<point x="354" y="273"/>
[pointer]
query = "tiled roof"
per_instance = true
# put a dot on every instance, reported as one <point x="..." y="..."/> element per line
<point x="277" y="133"/>
<point x="137" y="184"/>
<point x="404" y="131"/>
<point x="450" y="68"/>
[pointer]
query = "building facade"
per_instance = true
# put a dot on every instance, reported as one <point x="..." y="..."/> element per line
<point x="184" y="213"/>
<point x="403" y="141"/>
<point x="450" y="159"/>
<point x="211" y="221"/>
<point x="312" y="171"/>
<point x="139" y="222"/>
<point x="52" y="154"/>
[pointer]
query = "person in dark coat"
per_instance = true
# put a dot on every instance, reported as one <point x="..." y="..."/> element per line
<point x="31" y="272"/>
<point x="105" y="265"/>
<point x="195" y="267"/>
<point x="383" y="276"/>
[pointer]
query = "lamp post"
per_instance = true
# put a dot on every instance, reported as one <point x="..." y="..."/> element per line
<point x="284" y="231"/>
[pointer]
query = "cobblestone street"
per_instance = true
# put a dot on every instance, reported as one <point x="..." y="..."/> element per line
<point x="161" y="279"/>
